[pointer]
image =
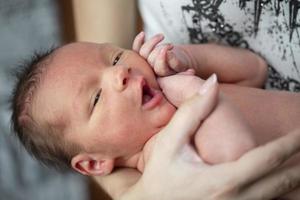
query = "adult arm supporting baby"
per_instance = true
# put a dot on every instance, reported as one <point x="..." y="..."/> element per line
<point x="175" y="172"/>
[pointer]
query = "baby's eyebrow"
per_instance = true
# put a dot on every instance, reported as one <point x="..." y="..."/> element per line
<point x="107" y="53"/>
<point x="107" y="50"/>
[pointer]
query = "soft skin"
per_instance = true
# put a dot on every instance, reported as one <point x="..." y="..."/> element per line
<point x="109" y="126"/>
<point x="174" y="161"/>
<point x="225" y="135"/>
<point x="222" y="137"/>
<point x="95" y="92"/>
<point x="235" y="175"/>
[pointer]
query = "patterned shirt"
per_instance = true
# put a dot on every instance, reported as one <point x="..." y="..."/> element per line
<point x="270" y="28"/>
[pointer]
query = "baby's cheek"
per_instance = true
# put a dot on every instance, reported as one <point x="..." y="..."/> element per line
<point x="130" y="142"/>
<point x="166" y="114"/>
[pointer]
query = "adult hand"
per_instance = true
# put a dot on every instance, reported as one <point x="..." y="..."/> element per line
<point x="174" y="170"/>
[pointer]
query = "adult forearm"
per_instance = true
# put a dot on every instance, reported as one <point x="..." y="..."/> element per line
<point x="104" y="21"/>
<point x="118" y="183"/>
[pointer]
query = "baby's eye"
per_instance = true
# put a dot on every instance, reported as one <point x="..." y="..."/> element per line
<point x="117" y="58"/>
<point x="97" y="97"/>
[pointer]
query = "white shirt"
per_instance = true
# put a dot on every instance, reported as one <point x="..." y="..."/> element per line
<point x="270" y="29"/>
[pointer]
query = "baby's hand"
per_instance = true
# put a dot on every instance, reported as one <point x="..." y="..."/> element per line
<point x="165" y="59"/>
<point x="179" y="87"/>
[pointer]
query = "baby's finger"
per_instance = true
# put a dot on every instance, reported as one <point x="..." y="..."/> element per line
<point x="160" y="66"/>
<point x="190" y="114"/>
<point x="148" y="46"/>
<point x="138" y="41"/>
<point x="274" y="185"/>
<point x="263" y="160"/>
<point x="154" y="55"/>
<point x="187" y="72"/>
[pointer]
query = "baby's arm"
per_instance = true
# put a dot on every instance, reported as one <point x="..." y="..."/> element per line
<point x="232" y="65"/>
<point x="224" y="135"/>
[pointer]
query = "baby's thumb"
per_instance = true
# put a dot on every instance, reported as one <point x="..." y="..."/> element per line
<point x="179" y="87"/>
<point x="172" y="88"/>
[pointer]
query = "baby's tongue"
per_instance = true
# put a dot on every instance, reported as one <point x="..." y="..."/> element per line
<point x="178" y="88"/>
<point x="146" y="98"/>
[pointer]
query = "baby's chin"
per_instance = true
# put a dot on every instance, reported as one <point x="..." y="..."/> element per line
<point x="167" y="113"/>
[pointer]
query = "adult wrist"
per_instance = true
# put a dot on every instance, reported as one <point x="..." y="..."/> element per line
<point x="136" y="192"/>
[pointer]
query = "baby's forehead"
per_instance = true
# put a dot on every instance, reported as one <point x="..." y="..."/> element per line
<point x="80" y="54"/>
<point x="82" y="47"/>
<point x="68" y="68"/>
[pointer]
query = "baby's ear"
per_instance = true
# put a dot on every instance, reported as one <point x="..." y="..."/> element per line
<point x="92" y="165"/>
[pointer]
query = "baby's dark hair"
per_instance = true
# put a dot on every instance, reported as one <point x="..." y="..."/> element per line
<point x="43" y="141"/>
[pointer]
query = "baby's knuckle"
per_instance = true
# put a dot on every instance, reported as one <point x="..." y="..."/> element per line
<point x="143" y="53"/>
<point x="150" y="60"/>
<point x="175" y="64"/>
<point x="161" y="70"/>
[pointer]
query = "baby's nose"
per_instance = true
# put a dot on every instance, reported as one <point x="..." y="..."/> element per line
<point x="122" y="77"/>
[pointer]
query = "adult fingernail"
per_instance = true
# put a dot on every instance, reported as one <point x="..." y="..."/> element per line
<point x="208" y="84"/>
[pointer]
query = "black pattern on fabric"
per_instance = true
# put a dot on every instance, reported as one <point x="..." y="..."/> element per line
<point x="205" y="15"/>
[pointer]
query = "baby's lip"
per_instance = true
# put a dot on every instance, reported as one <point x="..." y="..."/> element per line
<point x="150" y="97"/>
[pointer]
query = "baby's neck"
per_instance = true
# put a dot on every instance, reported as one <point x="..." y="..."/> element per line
<point x="139" y="159"/>
<point x="132" y="161"/>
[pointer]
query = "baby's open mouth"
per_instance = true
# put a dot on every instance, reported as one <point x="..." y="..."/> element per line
<point x="147" y="93"/>
<point x="151" y="97"/>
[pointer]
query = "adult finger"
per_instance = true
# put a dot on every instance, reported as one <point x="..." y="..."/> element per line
<point x="138" y="41"/>
<point x="262" y="160"/>
<point x="189" y="115"/>
<point x="274" y="185"/>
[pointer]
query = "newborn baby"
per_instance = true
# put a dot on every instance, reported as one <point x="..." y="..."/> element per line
<point x="93" y="107"/>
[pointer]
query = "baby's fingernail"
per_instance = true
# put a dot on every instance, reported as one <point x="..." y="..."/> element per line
<point x="160" y="35"/>
<point x="190" y="71"/>
<point x="208" y="84"/>
<point x="141" y="34"/>
<point x="170" y="46"/>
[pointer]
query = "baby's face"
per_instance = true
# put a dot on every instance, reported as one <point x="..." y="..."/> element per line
<point x="106" y="97"/>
